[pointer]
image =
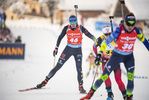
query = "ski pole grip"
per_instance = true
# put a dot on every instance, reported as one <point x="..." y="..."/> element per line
<point x="111" y="17"/>
<point x="122" y="1"/>
<point x="76" y="6"/>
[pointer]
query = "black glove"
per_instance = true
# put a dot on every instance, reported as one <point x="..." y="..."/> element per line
<point x="55" y="51"/>
<point x="97" y="59"/>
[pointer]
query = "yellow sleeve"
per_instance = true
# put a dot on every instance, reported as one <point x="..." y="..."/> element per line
<point x="103" y="47"/>
<point x="141" y="37"/>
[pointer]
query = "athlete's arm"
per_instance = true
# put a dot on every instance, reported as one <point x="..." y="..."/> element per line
<point x="99" y="41"/>
<point x="141" y="37"/>
<point x="88" y="34"/>
<point x="63" y="33"/>
<point x="113" y="36"/>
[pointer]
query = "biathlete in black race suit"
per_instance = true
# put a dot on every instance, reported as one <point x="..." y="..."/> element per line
<point x="126" y="36"/>
<point x="105" y="57"/>
<point x="74" y="34"/>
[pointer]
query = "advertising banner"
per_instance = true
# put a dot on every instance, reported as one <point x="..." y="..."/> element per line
<point x="99" y="25"/>
<point x="12" y="51"/>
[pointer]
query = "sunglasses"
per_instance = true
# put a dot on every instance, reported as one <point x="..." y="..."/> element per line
<point x="73" y="23"/>
<point x="107" y="34"/>
<point x="129" y="24"/>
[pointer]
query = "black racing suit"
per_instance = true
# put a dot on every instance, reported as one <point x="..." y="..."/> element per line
<point x="69" y="51"/>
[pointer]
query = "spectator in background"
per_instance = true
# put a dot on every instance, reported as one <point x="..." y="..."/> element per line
<point x="4" y="18"/>
<point x="18" y="40"/>
<point x="1" y="39"/>
<point x="1" y="21"/>
<point x="8" y="37"/>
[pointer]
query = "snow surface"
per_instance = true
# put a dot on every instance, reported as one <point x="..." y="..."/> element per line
<point x="40" y="38"/>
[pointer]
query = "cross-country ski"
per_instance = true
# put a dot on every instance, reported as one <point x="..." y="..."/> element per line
<point x="27" y="89"/>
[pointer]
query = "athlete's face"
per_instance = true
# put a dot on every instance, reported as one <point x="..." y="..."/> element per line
<point x="129" y="28"/>
<point x="73" y="24"/>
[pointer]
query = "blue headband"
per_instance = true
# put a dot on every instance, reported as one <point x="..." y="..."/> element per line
<point x="72" y="19"/>
<point x="130" y="19"/>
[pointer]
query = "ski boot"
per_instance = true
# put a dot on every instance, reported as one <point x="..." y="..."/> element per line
<point x="129" y="97"/>
<point x="81" y="89"/>
<point x="43" y="83"/>
<point x="110" y="96"/>
<point x="124" y="96"/>
<point x="89" y="95"/>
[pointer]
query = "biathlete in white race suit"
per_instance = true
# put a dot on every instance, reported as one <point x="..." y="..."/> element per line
<point x="126" y="36"/>
<point x="105" y="57"/>
<point x="74" y="34"/>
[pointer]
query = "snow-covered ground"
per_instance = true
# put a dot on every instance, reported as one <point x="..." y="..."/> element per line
<point x="40" y="39"/>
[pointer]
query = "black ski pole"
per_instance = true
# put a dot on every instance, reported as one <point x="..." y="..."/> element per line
<point x="95" y="74"/>
<point x="76" y="7"/>
<point x="97" y="71"/>
<point x="111" y="17"/>
<point x="122" y="8"/>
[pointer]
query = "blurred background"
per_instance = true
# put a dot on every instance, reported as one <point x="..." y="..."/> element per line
<point x="29" y="30"/>
<point x="58" y="11"/>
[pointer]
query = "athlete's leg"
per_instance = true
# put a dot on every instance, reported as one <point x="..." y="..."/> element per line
<point x="109" y="67"/>
<point x="108" y="81"/>
<point x="63" y="58"/>
<point x="78" y="60"/>
<point x="130" y="67"/>
<point x="117" y="74"/>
